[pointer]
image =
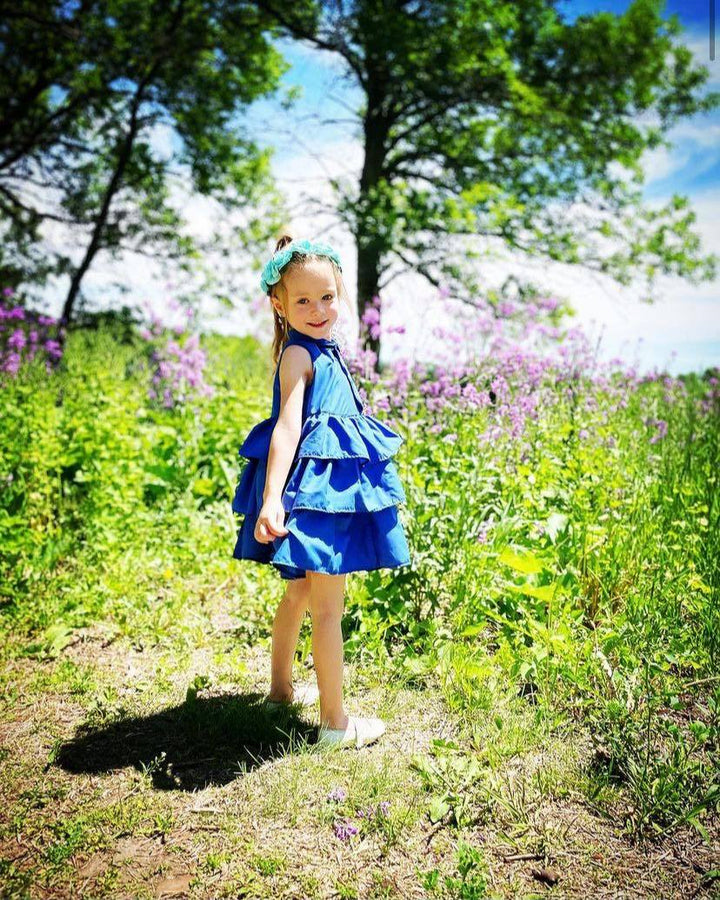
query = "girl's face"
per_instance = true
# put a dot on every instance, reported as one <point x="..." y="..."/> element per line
<point x="313" y="305"/>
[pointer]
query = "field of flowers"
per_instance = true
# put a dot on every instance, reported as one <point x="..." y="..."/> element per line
<point x="564" y="522"/>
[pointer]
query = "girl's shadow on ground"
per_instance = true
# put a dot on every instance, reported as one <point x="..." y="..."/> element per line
<point x="201" y="742"/>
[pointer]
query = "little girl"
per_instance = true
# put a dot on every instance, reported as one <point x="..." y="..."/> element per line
<point x="319" y="492"/>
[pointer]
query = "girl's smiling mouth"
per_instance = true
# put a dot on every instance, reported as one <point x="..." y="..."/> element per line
<point x="317" y="324"/>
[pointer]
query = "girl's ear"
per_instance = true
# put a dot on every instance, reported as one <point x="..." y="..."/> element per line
<point x="277" y="305"/>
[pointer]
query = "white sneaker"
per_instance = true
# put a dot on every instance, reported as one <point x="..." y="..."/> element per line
<point x="304" y="694"/>
<point x="359" y="732"/>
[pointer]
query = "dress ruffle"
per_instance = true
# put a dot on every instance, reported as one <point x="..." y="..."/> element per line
<point x="248" y="494"/>
<point x="343" y="485"/>
<point x="257" y="444"/>
<point x="328" y="436"/>
<point x="340" y="497"/>
<point x="351" y="483"/>
<point x="336" y="543"/>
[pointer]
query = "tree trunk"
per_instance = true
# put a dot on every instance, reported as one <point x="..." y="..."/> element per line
<point x="369" y="243"/>
<point x="113" y="187"/>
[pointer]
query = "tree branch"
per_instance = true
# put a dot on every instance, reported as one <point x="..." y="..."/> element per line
<point x="296" y="30"/>
<point x="18" y="204"/>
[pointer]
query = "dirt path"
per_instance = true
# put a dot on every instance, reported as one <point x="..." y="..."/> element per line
<point x="118" y="783"/>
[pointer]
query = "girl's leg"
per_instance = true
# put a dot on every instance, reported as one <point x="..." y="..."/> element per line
<point x="285" y="633"/>
<point x="327" y="599"/>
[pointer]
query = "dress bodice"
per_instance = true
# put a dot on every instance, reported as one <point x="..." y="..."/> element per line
<point x="332" y="389"/>
<point x="334" y="422"/>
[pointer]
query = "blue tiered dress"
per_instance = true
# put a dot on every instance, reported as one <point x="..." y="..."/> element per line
<point x="342" y="490"/>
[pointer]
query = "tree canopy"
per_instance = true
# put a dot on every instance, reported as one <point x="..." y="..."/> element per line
<point x="500" y="120"/>
<point x="85" y="89"/>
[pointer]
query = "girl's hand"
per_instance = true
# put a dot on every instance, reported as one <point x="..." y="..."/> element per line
<point x="270" y="521"/>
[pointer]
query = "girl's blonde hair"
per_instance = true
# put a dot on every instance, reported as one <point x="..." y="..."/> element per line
<point x="280" y="323"/>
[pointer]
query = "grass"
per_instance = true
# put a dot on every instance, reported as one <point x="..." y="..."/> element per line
<point x="551" y="691"/>
<point x="133" y="769"/>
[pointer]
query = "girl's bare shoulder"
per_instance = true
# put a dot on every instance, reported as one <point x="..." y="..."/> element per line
<point x="295" y="364"/>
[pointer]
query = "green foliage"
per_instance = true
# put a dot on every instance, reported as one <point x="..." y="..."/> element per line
<point x="90" y="89"/>
<point x="90" y="471"/>
<point x="456" y="782"/>
<point x="662" y="747"/>
<point x="473" y="877"/>
<point x="571" y="576"/>
<point x="491" y="118"/>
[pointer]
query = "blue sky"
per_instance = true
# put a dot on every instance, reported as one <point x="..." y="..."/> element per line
<point x="309" y="149"/>
<point x="692" y="13"/>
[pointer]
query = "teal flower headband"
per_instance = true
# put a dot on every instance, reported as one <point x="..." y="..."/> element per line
<point x="271" y="270"/>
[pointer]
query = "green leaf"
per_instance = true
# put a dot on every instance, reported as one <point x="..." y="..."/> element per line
<point x="544" y="592"/>
<point x="526" y="563"/>
<point x="203" y="487"/>
<point x="53" y="640"/>
<point x="438" y="809"/>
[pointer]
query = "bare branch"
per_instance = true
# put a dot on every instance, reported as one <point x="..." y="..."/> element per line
<point x="343" y="104"/>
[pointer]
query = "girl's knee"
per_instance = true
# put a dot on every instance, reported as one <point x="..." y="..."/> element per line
<point x="298" y="591"/>
<point x="326" y="595"/>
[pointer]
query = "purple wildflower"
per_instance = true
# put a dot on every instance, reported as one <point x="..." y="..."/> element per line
<point x="17" y="339"/>
<point x="505" y="310"/>
<point x="662" y="428"/>
<point x="12" y="363"/>
<point x="337" y="794"/>
<point x="371" y="812"/>
<point x="178" y="369"/>
<point x="371" y="319"/>
<point x="22" y="344"/>
<point x="53" y="349"/>
<point x="345" y="829"/>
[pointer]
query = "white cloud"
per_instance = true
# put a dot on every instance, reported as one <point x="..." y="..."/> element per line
<point x="661" y="162"/>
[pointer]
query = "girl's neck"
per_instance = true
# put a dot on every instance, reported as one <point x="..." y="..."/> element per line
<point x="324" y="341"/>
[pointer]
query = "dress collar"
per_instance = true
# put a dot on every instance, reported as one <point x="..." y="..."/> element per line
<point x="320" y="341"/>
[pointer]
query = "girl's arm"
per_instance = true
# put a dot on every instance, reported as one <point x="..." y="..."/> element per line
<point x="295" y="372"/>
